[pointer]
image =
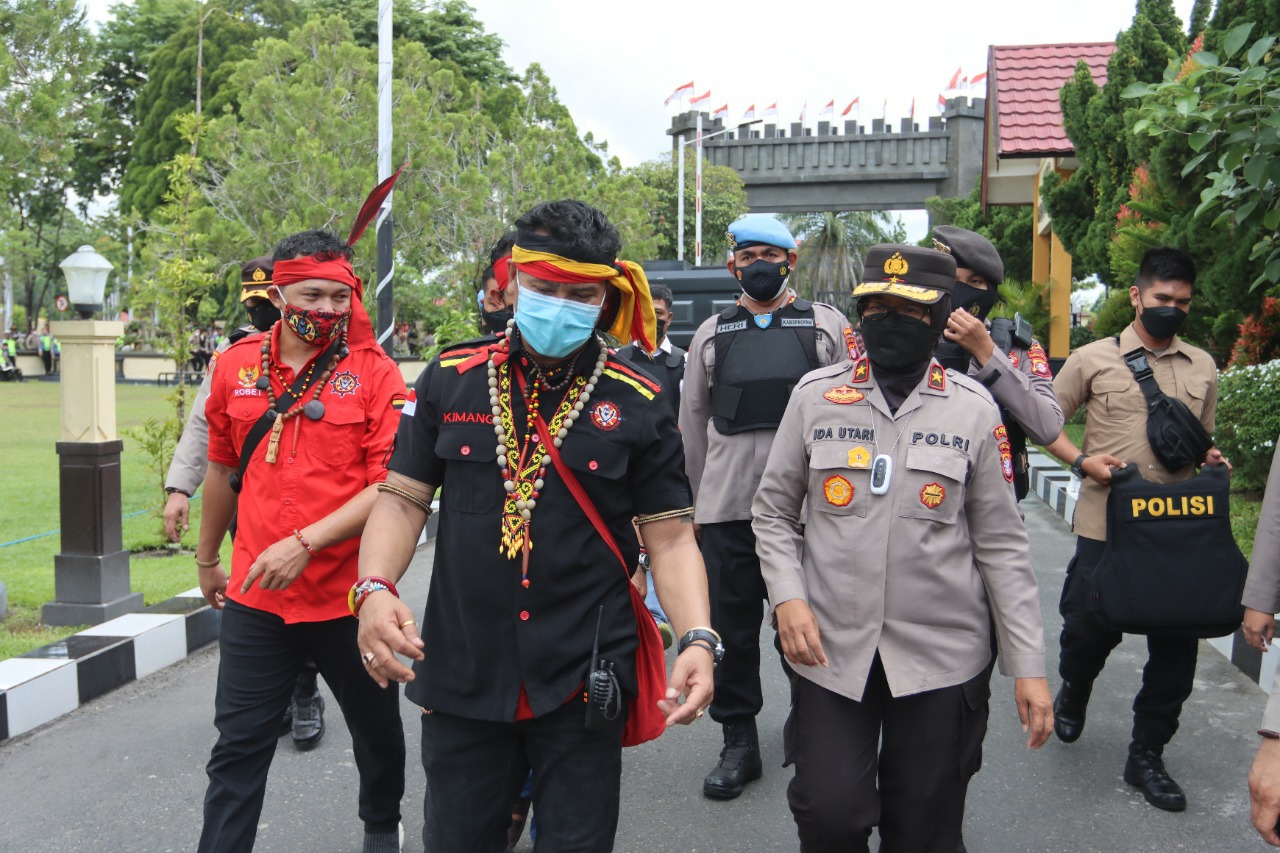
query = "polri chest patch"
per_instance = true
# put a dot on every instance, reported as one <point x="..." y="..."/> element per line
<point x="837" y="490"/>
<point x="933" y="495"/>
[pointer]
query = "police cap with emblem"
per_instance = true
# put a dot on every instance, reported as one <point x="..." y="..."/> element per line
<point x="911" y="272"/>
<point x="255" y="277"/>
<point x="757" y="229"/>
<point x="971" y="250"/>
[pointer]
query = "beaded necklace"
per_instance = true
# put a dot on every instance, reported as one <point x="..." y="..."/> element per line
<point x="313" y="408"/>
<point x="523" y="461"/>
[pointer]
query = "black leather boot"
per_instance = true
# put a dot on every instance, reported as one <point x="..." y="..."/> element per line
<point x="1069" y="709"/>
<point x="739" y="762"/>
<point x="1145" y="770"/>
<point x="308" y="713"/>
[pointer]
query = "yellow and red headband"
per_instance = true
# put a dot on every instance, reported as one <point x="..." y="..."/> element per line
<point x="635" y="320"/>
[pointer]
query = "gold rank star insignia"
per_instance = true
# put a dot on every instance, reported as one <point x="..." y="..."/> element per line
<point x="859" y="457"/>
<point x="937" y="378"/>
<point x="860" y="370"/>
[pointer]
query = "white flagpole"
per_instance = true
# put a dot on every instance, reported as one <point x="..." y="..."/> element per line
<point x="385" y="251"/>
<point x="680" y="200"/>
<point x="697" y="209"/>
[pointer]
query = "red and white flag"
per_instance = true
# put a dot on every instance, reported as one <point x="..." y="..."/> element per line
<point x="721" y="112"/>
<point x="829" y="109"/>
<point x="750" y="113"/>
<point x="704" y="97"/>
<point x="853" y="107"/>
<point x="804" y="109"/>
<point x="771" y="110"/>
<point x="884" y="109"/>
<point x="942" y="104"/>
<point x="955" y="81"/>
<point x="679" y="93"/>
<point x="978" y="79"/>
<point x="913" y="109"/>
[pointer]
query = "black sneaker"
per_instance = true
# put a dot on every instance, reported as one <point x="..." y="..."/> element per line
<point x="308" y="721"/>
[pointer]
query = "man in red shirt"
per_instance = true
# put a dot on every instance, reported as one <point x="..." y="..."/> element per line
<point x="301" y="423"/>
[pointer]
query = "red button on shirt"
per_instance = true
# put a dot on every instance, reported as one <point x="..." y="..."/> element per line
<point x="593" y="464"/>
<point x="466" y="451"/>
<point x="524" y="615"/>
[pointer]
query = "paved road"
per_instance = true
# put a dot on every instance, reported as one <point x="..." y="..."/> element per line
<point x="125" y="772"/>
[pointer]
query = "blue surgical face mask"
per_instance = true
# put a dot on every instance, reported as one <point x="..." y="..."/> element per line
<point x="554" y="327"/>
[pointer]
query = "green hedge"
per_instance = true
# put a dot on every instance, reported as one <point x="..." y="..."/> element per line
<point x="1248" y="421"/>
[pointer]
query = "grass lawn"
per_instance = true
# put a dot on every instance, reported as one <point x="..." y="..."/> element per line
<point x="29" y="482"/>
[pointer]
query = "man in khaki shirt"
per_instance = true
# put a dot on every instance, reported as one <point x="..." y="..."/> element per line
<point x="890" y="541"/>
<point x="742" y="365"/>
<point x="1096" y="377"/>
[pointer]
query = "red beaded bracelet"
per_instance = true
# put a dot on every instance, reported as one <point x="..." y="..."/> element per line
<point x="363" y="587"/>
<point x="297" y="534"/>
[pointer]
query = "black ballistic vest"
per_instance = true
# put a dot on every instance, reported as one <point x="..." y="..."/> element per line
<point x="757" y="366"/>
<point x="1170" y="565"/>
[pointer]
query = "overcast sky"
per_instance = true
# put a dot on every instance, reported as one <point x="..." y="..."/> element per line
<point x="613" y="63"/>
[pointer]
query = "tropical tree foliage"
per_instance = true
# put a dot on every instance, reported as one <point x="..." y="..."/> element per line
<point x="832" y="249"/>
<point x="1008" y="228"/>
<point x="724" y="199"/>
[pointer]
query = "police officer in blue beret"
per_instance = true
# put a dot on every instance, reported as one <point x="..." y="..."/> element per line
<point x="742" y="365"/>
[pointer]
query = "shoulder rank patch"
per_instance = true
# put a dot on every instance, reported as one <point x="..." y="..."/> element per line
<point x="937" y="378"/>
<point x="843" y="395"/>
<point x="1039" y="361"/>
<point x="1006" y="452"/>
<point x="861" y="371"/>
<point x="932" y="495"/>
<point x="838" y="491"/>
<point x="606" y="415"/>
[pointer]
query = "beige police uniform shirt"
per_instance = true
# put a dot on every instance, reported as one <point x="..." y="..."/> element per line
<point x="1262" y="589"/>
<point x="191" y="457"/>
<point x="1096" y="377"/>
<point x="1020" y="381"/>
<point x="917" y="573"/>
<point x="724" y="470"/>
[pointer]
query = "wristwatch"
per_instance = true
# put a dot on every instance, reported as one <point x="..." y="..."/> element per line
<point x="1076" y="467"/>
<point x="704" y="637"/>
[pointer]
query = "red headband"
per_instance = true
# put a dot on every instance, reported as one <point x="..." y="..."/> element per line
<point x="501" y="273"/>
<point x="339" y="269"/>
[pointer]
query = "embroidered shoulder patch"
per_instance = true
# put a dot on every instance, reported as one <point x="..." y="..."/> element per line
<point x="1006" y="452"/>
<point x="1039" y="361"/>
<point x="937" y="378"/>
<point x="861" y="372"/>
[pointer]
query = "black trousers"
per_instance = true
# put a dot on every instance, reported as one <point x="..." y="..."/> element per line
<point x="738" y="594"/>
<point x="914" y="788"/>
<point x="261" y="660"/>
<point x="1086" y="641"/>
<point x="476" y="768"/>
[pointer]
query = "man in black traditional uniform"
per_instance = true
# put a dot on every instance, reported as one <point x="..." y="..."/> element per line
<point x="666" y="363"/>
<point x="546" y="447"/>
<point x="743" y="364"/>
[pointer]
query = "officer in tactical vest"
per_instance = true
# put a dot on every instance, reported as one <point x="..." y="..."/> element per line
<point x="666" y="363"/>
<point x="999" y="353"/>
<point x="742" y="365"/>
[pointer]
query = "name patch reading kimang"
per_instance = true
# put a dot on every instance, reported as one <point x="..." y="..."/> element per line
<point x="1174" y="506"/>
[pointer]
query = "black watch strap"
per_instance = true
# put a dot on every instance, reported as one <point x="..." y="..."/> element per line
<point x="1076" y="466"/>
<point x="704" y="637"/>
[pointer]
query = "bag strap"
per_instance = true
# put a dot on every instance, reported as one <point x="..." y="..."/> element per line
<point x="261" y="426"/>
<point x="575" y="488"/>
<point x="1136" y="361"/>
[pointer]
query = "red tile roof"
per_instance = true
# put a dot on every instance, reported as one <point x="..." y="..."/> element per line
<point x="1026" y="80"/>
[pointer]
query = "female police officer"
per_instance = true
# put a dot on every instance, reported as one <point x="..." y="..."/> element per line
<point x="881" y="587"/>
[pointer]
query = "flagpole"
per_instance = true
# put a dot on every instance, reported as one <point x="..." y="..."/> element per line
<point x="385" y="250"/>
<point x="697" y="210"/>
<point x="680" y="201"/>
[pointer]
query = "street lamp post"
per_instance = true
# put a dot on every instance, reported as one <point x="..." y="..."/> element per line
<point x="91" y="574"/>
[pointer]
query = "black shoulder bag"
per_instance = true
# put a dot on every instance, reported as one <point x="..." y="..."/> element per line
<point x="263" y="425"/>
<point x="1177" y="437"/>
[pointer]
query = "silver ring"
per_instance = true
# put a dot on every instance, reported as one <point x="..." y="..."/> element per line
<point x="367" y="657"/>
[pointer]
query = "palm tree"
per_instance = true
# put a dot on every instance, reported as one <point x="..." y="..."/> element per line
<point x="830" y="261"/>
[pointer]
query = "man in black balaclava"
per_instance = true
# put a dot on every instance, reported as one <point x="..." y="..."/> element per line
<point x="1000" y="353"/>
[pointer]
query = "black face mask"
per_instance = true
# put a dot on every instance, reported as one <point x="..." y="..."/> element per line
<point x="1163" y="321"/>
<point x="662" y="331"/>
<point x="763" y="281"/>
<point x="263" y="315"/>
<point x="496" y="321"/>
<point x="898" y="342"/>
<point x="974" y="300"/>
